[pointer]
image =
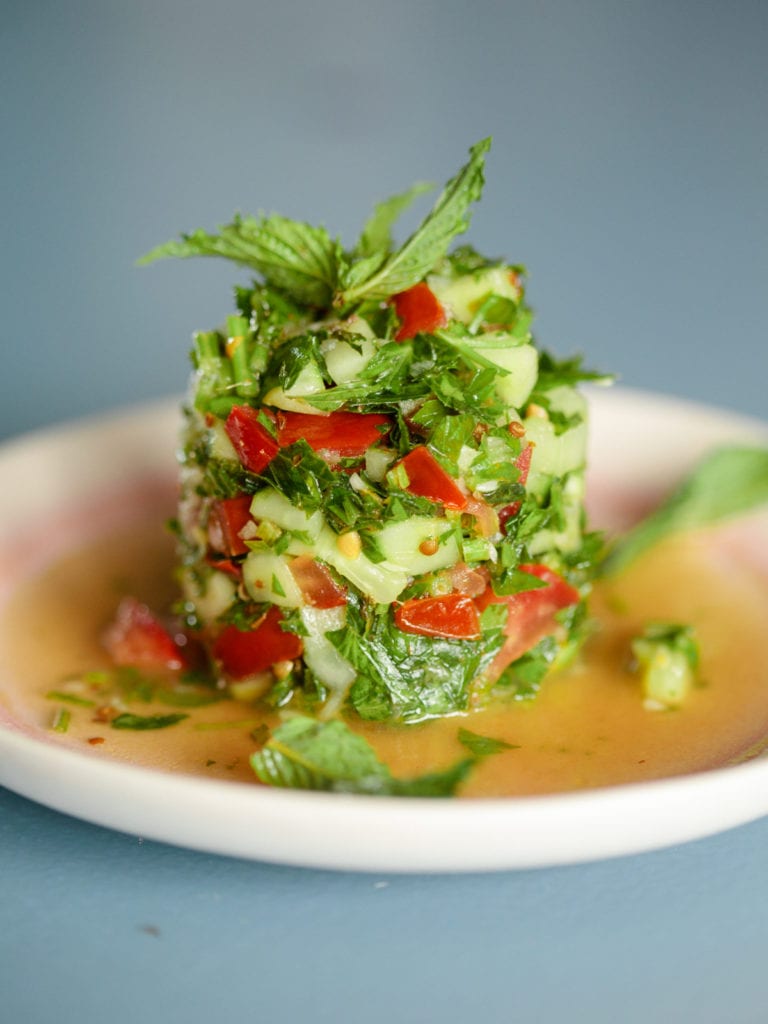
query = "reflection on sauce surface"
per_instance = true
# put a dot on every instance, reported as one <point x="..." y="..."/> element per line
<point x="586" y="728"/>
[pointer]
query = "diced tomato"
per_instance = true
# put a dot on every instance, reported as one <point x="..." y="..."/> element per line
<point x="349" y="434"/>
<point x="244" y="653"/>
<point x="253" y="443"/>
<point x="531" y="614"/>
<point x="225" y="565"/>
<point x="138" y="638"/>
<point x="453" y="617"/>
<point x="419" y="310"/>
<point x="317" y="586"/>
<point x="523" y="463"/>
<point x="428" y="479"/>
<point x="226" y="519"/>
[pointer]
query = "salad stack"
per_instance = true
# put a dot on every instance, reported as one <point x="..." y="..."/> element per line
<point x="382" y="477"/>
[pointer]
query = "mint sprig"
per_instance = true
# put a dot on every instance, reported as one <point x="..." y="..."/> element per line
<point x="306" y="754"/>
<point x="307" y="264"/>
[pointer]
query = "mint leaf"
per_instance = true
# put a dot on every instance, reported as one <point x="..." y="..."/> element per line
<point x="405" y="677"/>
<point x="376" y="239"/>
<point x="436" y="783"/>
<point x="306" y="754"/>
<point x="291" y="256"/>
<point x="483" y="746"/>
<point x="726" y="483"/>
<point x="429" y="243"/>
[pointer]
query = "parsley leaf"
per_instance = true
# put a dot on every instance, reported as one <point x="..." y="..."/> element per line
<point x="554" y="373"/>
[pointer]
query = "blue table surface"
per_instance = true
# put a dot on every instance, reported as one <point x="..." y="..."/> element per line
<point x="629" y="172"/>
<point x="101" y="926"/>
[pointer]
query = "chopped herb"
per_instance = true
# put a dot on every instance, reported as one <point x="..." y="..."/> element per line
<point x="61" y="720"/>
<point x="142" y="723"/>
<point x="484" y="746"/>
<point x="69" y="698"/>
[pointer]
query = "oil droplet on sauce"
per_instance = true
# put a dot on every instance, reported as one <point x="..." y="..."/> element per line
<point x="586" y="728"/>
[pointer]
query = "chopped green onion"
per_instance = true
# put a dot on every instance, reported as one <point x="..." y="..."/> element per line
<point x="69" y="698"/>
<point x="61" y="720"/>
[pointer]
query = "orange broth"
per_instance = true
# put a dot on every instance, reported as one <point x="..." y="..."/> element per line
<point x="587" y="727"/>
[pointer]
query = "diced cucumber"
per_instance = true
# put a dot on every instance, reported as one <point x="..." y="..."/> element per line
<point x="330" y="667"/>
<point x="667" y="679"/>
<point x="343" y="360"/>
<point x="274" y="506"/>
<point x="667" y="656"/>
<point x="400" y="545"/>
<point x="516" y="357"/>
<point x="556" y="454"/>
<point x="221" y="446"/>
<point x="522" y="365"/>
<point x="268" y="578"/>
<point x="381" y="581"/>
<point x="464" y="295"/>
<point x="213" y="597"/>
<point x="569" y="538"/>
<point x="377" y="463"/>
<point x="309" y="382"/>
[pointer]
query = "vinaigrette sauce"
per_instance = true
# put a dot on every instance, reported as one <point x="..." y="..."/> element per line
<point x="588" y="726"/>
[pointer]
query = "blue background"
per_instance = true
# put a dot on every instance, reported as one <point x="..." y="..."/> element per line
<point x="630" y="173"/>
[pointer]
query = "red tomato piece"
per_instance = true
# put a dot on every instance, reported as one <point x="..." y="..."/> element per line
<point x="226" y="519"/>
<point x="225" y="565"/>
<point x="428" y="479"/>
<point x="137" y="637"/>
<point x="314" y="580"/>
<point x="349" y="434"/>
<point x="523" y="463"/>
<point x="244" y="653"/>
<point x="531" y="614"/>
<point x="253" y="443"/>
<point x="453" y="617"/>
<point x="419" y="310"/>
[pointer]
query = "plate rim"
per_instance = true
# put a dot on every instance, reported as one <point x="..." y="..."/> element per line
<point x="52" y="774"/>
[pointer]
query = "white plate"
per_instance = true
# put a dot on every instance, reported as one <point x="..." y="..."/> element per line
<point x="100" y="463"/>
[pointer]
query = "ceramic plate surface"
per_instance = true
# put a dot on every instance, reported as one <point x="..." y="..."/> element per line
<point x="116" y="464"/>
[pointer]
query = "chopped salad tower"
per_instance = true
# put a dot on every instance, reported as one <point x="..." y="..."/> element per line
<point x="382" y="478"/>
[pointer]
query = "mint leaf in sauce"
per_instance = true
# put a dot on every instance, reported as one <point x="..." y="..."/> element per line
<point x="483" y="746"/>
<point x="728" y="482"/>
<point x="307" y="754"/>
